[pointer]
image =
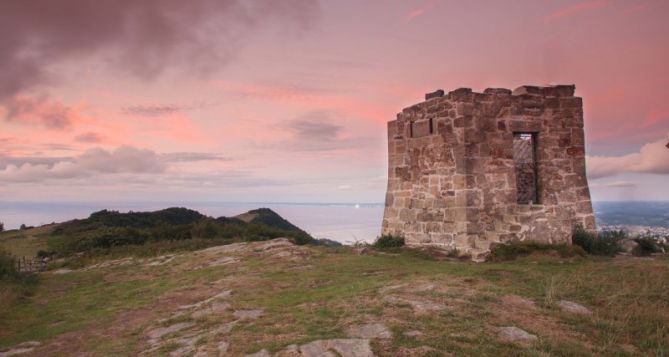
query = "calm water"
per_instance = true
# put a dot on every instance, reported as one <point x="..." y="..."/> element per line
<point x="344" y="223"/>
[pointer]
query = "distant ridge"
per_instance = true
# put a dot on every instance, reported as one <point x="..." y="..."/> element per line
<point x="107" y="229"/>
<point x="268" y="217"/>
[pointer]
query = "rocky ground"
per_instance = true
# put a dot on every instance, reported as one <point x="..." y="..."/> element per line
<point x="273" y="298"/>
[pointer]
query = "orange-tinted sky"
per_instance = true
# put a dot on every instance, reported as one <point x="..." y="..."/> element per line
<point x="235" y="100"/>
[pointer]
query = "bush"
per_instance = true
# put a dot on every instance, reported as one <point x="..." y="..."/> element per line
<point x="387" y="241"/>
<point x="102" y="237"/>
<point x="605" y="243"/>
<point x="14" y="286"/>
<point x="44" y="254"/>
<point x="453" y="253"/>
<point x="2" y="227"/>
<point x="646" y="246"/>
<point x="513" y="250"/>
<point x="205" y="228"/>
<point x="108" y="229"/>
<point x="7" y="265"/>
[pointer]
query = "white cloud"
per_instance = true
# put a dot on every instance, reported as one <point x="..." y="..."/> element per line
<point x="652" y="158"/>
<point x="125" y="159"/>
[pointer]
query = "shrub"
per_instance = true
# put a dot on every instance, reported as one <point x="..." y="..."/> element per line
<point x="14" y="285"/>
<point x="513" y="250"/>
<point x="388" y="241"/>
<point x="453" y="253"/>
<point x="107" y="229"/>
<point x="102" y="237"/>
<point x="646" y="246"/>
<point x="205" y="228"/>
<point x="605" y="243"/>
<point x="302" y="239"/>
<point x="7" y="265"/>
<point x="2" y="227"/>
<point x="44" y="254"/>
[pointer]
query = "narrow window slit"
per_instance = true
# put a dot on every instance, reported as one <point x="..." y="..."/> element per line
<point x="524" y="156"/>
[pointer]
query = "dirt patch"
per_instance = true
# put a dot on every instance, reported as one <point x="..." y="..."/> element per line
<point x="419" y="306"/>
<point x="369" y="331"/>
<point x="248" y="314"/>
<point x="280" y="248"/>
<point x="161" y="260"/>
<point x="122" y="327"/>
<point x="419" y="352"/>
<point x="513" y="310"/>
<point x="20" y="349"/>
<point x="247" y="217"/>
<point x="112" y="263"/>
<point x="344" y="347"/>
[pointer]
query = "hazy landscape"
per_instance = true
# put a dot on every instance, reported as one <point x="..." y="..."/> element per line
<point x="334" y="178"/>
<point x="343" y="222"/>
<point x="174" y="282"/>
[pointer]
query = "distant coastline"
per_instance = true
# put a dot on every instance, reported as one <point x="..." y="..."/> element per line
<point x="341" y="221"/>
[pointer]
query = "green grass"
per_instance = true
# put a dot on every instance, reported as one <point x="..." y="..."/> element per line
<point x="24" y="243"/>
<point x="319" y="297"/>
<point x="75" y="301"/>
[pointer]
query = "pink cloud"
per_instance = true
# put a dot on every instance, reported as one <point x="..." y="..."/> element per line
<point x="177" y="127"/>
<point x="656" y="116"/>
<point x="415" y="13"/>
<point x="420" y="11"/>
<point x="141" y="37"/>
<point x="40" y="110"/>
<point x="89" y="137"/>
<point x="576" y="9"/>
<point x="308" y="100"/>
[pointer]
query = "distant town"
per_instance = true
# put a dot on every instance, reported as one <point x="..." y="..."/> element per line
<point x="661" y="234"/>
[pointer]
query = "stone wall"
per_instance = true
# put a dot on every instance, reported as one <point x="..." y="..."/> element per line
<point x="452" y="174"/>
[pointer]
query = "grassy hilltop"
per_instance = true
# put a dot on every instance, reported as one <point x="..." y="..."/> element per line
<point x="277" y="298"/>
<point x="114" y="233"/>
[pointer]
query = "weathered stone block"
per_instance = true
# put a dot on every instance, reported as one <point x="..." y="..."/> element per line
<point x="571" y="102"/>
<point x="497" y="91"/>
<point x="524" y="90"/>
<point x="436" y="94"/>
<point x="575" y="151"/>
<point x="460" y="94"/>
<point x="421" y="128"/>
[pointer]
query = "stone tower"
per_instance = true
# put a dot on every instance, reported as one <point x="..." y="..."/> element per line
<point x="468" y="170"/>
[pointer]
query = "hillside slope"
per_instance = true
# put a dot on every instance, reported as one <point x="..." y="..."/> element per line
<point x="268" y="217"/>
<point x="276" y="298"/>
<point x="168" y="229"/>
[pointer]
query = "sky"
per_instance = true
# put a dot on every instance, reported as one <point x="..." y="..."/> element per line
<point x="287" y="101"/>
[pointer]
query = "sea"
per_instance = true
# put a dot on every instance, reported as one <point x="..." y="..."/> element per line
<point x="346" y="223"/>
